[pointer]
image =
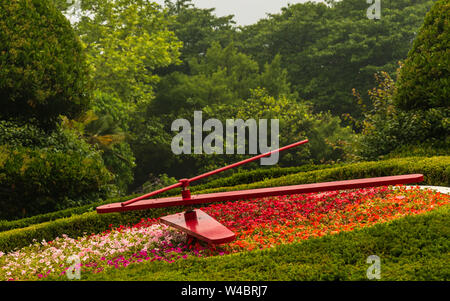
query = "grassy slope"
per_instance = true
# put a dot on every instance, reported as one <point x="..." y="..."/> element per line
<point x="411" y="248"/>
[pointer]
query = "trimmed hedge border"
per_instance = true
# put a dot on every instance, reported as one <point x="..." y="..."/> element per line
<point x="436" y="171"/>
<point x="51" y="216"/>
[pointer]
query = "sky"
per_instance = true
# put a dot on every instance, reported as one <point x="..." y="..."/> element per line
<point x="245" y="11"/>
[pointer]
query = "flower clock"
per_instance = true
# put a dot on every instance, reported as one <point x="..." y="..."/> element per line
<point x="258" y="223"/>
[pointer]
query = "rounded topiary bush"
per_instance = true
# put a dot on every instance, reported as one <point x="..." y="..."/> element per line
<point x="424" y="79"/>
<point x="43" y="72"/>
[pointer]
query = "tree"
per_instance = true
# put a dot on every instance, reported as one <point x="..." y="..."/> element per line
<point x="223" y="75"/>
<point x="329" y="141"/>
<point x="328" y="50"/>
<point x="424" y="79"/>
<point x="43" y="70"/>
<point x="126" y="41"/>
<point x="198" y="28"/>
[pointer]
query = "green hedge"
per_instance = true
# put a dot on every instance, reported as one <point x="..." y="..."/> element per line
<point x="436" y="171"/>
<point x="47" y="217"/>
<point x="410" y="248"/>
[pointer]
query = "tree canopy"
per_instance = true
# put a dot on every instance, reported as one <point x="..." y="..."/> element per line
<point x="330" y="49"/>
<point x="43" y="71"/>
<point x="424" y="78"/>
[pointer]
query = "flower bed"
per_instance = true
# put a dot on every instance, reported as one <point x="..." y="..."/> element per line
<point x="259" y="223"/>
<point x="118" y="247"/>
<point x="263" y="223"/>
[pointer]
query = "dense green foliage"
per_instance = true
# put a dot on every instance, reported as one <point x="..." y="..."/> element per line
<point x="41" y="172"/>
<point x="34" y="181"/>
<point x="387" y="128"/>
<point x="43" y="71"/>
<point x="298" y="66"/>
<point x="75" y="221"/>
<point x="126" y="43"/>
<point x="410" y="248"/>
<point x="328" y="50"/>
<point x="424" y="79"/>
<point x="308" y="58"/>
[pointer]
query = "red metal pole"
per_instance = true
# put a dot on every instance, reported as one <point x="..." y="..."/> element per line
<point x="210" y="173"/>
<point x="185" y="182"/>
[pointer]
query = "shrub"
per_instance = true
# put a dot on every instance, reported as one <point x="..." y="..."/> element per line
<point x="404" y="129"/>
<point x="424" y="80"/>
<point x="17" y="135"/>
<point x="47" y="163"/>
<point x="34" y="181"/>
<point x="43" y="73"/>
<point x="387" y="128"/>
